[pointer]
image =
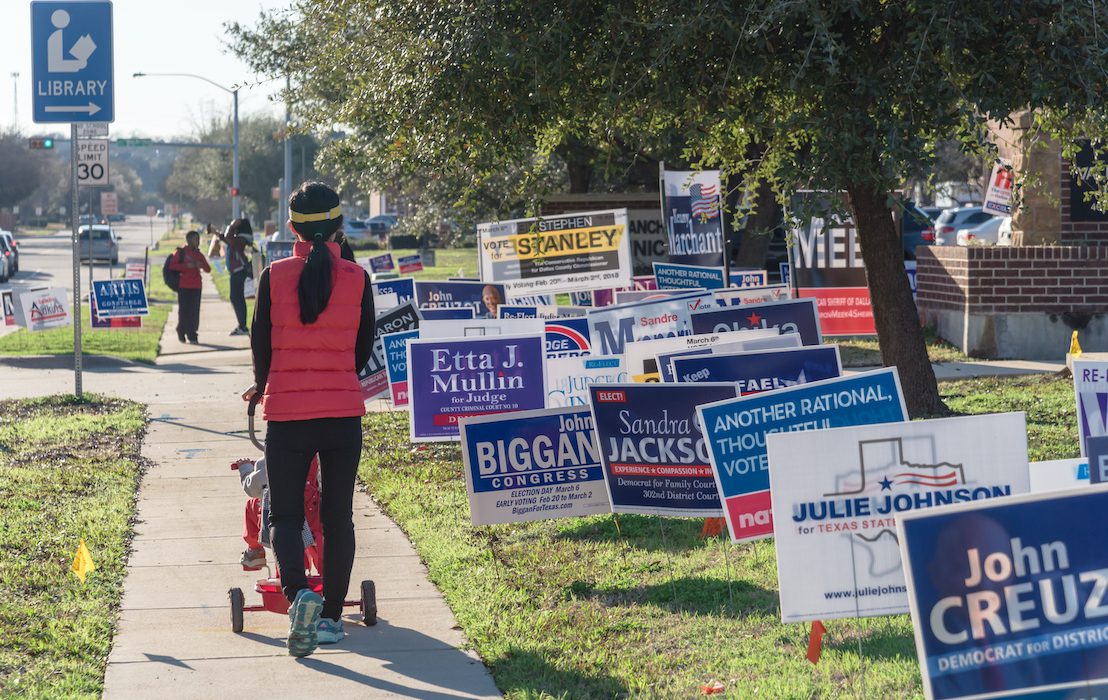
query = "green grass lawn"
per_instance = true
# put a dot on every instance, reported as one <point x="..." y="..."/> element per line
<point x="576" y="608"/>
<point x="864" y="351"/>
<point x="70" y="470"/>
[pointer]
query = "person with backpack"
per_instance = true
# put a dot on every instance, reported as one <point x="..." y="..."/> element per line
<point x="184" y="266"/>
<point x="236" y="239"/>
<point x="313" y="330"/>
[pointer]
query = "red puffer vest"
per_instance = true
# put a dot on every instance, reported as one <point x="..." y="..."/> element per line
<point x="312" y="372"/>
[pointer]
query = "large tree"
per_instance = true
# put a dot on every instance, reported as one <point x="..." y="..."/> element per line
<point x="21" y="171"/>
<point x="847" y="96"/>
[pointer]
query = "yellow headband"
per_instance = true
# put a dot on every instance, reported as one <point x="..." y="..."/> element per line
<point x="298" y="218"/>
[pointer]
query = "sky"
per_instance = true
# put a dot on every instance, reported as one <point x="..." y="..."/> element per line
<point x="167" y="36"/>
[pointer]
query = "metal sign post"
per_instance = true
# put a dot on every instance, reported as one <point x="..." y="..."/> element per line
<point x="73" y="78"/>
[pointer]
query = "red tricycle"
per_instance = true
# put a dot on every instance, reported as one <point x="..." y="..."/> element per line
<point x="273" y="597"/>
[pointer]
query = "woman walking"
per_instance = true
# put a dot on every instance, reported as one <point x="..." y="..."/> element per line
<point x="312" y="331"/>
<point x="236" y="239"/>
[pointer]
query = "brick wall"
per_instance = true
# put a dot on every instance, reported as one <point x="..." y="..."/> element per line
<point x="1077" y="232"/>
<point x="1047" y="279"/>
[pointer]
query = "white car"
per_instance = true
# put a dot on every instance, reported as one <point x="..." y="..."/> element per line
<point x="995" y="231"/>
<point x="951" y="221"/>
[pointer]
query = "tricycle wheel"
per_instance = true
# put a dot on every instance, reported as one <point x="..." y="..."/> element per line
<point x="238" y="602"/>
<point x="369" y="603"/>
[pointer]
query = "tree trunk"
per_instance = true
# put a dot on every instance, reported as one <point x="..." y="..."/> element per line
<point x="578" y="157"/>
<point x="894" y="312"/>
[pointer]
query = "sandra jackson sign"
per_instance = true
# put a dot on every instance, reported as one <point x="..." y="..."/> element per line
<point x="532" y="465"/>
<point x="1009" y="597"/>
<point x="655" y="457"/>
<point x="836" y="495"/>
<point x="453" y="378"/>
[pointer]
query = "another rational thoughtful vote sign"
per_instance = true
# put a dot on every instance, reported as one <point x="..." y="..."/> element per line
<point x="396" y="361"/>
<point x="568" y="378"/>
<point x="612" y="327"/>
<point x="673" y="276"/>
<point x="736" y="433"/>
<point x="120" y="298"/>
<point x="452" y="378"/>
<point x="1008" y="597"/>
<point x="45" y="308"/>
<point x="837" y="494"/>
<point x="563" y="253"/>
<point x="532" y="465"/>
<point x="792" y="316"/>
<point x="762" y="370"/>
<point x="1090" y="386"/>
<point x="655" y="457"/>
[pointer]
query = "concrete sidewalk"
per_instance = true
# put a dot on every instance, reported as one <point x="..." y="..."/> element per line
<point x="174" y="635"/>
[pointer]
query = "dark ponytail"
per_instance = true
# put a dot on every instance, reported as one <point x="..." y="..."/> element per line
<point x="314" y="289"/>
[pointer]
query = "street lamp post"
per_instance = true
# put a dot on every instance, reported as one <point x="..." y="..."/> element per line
<point x="236" y="208"/>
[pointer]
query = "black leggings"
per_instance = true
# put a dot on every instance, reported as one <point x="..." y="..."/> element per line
<point x="238" y="298"/>
<point x="289" y="449"/>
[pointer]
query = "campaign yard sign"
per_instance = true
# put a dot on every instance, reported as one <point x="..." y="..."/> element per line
<point x="453" y="378"/>
<point x="45" y="308"/>
<point x="455" y="314"/>
<point x="827" y="263"/>
<point x="736" y="433"/>
<point x="1090" y="387"/>
<point x="120" y="298"/>
<point x="1058" y="475"/>
<point x="998" y="197"/>
<point x="756" y="371"/>
<point x="402" y="287"/>
<point x="7" y="302"/>
<point x="396" y="364"/>
<point x="374" y="377"/>
<point x="410" y="263"/>
<point x="475" y="328"/>
<point x="568" y="378"/>
<point x="752" y="295"/>
<point x="648" y="239"/>
<point x="837" y="494"/>
<point x="560" y="253"/>
<point x="792" y="316"/>
<point x="98" y="321"/>
<point x="631" y="295"/>
<point x="547" y="311"/>
<point x="607" y="297"/>
<point x="742" y="279"/>
<point x="400" y="318"/>
<point x="481" y="297"/>
<point x="640" y="355"/>
<point x="612" y="327"/>
<point x="674" y="276"/>
<point x="692" y="207"/>
<point x="382" y="263"/>
<point x="568" y="337"/>
<point x="655" y="457"/>
<point x="755" y="342"/>
<point x="532" y="300"/>
<point x="1007" y="597"/>
<point x="532" y="465"/>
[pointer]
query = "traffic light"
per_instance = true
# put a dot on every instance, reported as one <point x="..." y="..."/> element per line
<point x="42" y="143"/>
<point x="234" y="192"/>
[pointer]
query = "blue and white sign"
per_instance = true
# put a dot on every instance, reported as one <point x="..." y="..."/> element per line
<point x="71" y="65"/>
<point x="674" y="276"/>
<point x="743" y="279"/>
<point x="792" y="316"/>
<point x="568" y="378"/>
<point x="1097" y="448"/>
<point x="612" y="327"/>
<point x="1090" y="386"/>
<point x="517" y="311"/>
<point x="395" y="347"/>
<point x="116" y="298"/>
<point x="838" y="493"/>
<point x="762" y="370"/>
<point x="736" y="433"/>
<point x="532" y="465"/>
<point x="1007" y="597"/>
<point x="655" y="456"/>
<point x="752" y="295"/>
<point x="1058" y="475"/>
<point x="456" y="314"/>
<point x="568" y="337"/>
<point x="402" y="287"/>
<point x="786" y="340"/>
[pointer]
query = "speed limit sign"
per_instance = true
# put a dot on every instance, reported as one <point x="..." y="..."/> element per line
<point x="92" y="162"/>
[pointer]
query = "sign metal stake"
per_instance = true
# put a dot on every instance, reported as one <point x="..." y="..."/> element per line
<point x="75" y="213"/>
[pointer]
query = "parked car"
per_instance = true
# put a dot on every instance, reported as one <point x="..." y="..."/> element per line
<point x="355" y="229"/>
<point x="932" y="212"/>
<point x="995" y="231"/>
<point x="916" y="229"/>
<point x="389" y="220"/>
<point x="98" y="242"/>
<point x="951" y="221"/>
<point x="116" y="217"/>
<point x="14" y="246"/>
<point x="6" y="270"/>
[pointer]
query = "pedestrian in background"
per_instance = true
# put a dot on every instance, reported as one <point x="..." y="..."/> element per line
<point x="236" y="239"/>
<point x="313" y="330"/>
<point x="189" y="261"/>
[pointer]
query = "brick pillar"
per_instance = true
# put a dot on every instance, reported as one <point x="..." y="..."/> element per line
<point x="1038" y="166"/>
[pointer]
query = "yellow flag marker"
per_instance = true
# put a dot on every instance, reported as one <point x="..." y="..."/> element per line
<point x="82" y="563"/>
<point x="1075" y="347"/>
